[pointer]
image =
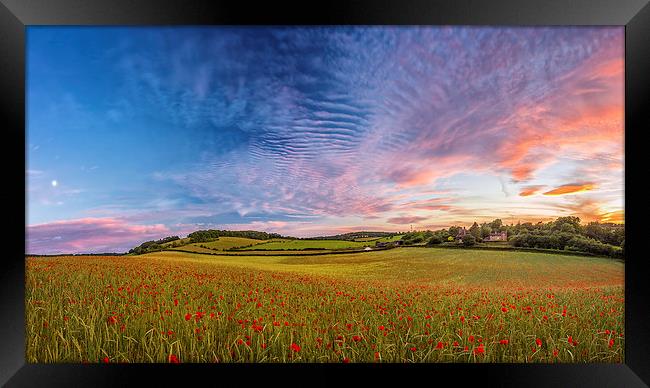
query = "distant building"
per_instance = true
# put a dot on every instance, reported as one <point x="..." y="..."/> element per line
<point x="461" y="233"/>
<point x="497" y="236"/>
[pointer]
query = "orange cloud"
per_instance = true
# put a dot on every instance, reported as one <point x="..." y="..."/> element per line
<point x="585" y="114"/>
<point x="570" y="189"/>
<point x="529" y="190"/>
<point x="617" y="217"/>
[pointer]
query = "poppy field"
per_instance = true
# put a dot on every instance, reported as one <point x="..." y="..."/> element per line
<point x="399" y="305"/>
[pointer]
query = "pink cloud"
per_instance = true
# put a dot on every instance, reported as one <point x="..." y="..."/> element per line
<point x="406" y="220"/>
<point x="88" y="235"/>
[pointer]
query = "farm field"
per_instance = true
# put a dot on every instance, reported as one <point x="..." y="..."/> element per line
<point x="379" y="239"/>
<point x="185" y="240"/>
<point x="260" y="252"/>
<point x="310" y="244"/>
<point x="221" y="244"/>
<point x="399" y="305"/>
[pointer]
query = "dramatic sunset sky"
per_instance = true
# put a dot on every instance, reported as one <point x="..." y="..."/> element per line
<point x="135" y="134"/>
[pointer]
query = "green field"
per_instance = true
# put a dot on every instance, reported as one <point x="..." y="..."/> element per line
<point x="310" y="244"/>
<point x="223" y="243"/>
<point x="379" y="239"/>
<point x="182" y="241"/>
<point x="399" y="305"/>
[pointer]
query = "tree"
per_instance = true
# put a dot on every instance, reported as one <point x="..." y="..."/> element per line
<point x="570" y="220"/>
<point x="623" y="248"/>
<point x="496" y="225"/>
<point x="475" y="231"/>
<point x="434" y="240"/>
<point x="485" y="230"/>
<point x="568" y="228"/>
<point x="469" y="240"/>
<point x="453" y="231"/>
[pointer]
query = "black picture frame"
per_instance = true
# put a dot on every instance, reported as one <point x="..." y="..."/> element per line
<point x="15" y="15"/>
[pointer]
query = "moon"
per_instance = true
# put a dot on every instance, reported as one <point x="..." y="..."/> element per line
<point x="54" y="183"/>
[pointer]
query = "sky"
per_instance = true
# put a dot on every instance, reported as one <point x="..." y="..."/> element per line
<point x="137" y="133"/>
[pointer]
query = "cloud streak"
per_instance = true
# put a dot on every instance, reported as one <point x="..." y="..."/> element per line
<point x="571" y="189"/>
<point x="89" y="235"/>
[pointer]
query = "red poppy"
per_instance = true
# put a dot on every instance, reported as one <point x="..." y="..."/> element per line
<point x="356" y="338"/>
<point x="106" y="360"/>
<point x="173" y="359"/>
<point x="538" y="342"/>
<point x="555" y="352"/>
<point x="440" y="345"/>
<point x="455" y="343"/>
<point x="188" y="316"/>
<point x="611" y="342"/>
<point x="381" y="327"/>
<point x="504" y="342"/>
<point x="376" y="355"/>
<point x="295" y="347"/>
<point x="413" y="349"/>
<point x="572" y="341"/>
<point x="479" y="350"/>
<point x="505" y="310"/>
<point x="111" y="320"/>
<point x="346" y="360"/>
<point x="471" y="338"/>
<point x="263" y="346"/>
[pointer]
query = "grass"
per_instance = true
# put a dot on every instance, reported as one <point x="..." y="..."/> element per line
<point x="221" y="244"/>
<point x="310" y="244"/>
<point x="400" y="305"/>
<point x="182" y="241"/>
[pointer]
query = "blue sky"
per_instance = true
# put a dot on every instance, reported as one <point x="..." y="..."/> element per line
<point x="149" y="132"/>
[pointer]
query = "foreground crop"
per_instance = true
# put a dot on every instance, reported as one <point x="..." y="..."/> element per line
<point x="178" y="309"/>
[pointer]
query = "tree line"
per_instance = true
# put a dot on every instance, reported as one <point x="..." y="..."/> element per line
<point x="212" y="234"/>
<point x="153" y="245"/>
<point x="565" y="233"/>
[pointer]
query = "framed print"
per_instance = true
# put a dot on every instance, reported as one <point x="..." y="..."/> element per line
<point x="365" y="189"/>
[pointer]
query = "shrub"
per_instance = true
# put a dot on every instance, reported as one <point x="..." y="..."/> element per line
<point x="589" y="245"/>
<point x="434" y="240"/>
<point x="469" y="240"/>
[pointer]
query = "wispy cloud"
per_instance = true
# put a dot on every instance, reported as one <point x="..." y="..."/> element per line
<point x="571" y="189"/>
<point x="89" y="235"/>
<point x="530" y="190"/>
<point x="406" y="220"/>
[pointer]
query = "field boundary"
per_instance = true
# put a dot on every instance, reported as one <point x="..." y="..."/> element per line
<point x="518" y="249"/>
<point x="261" y="254"/>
